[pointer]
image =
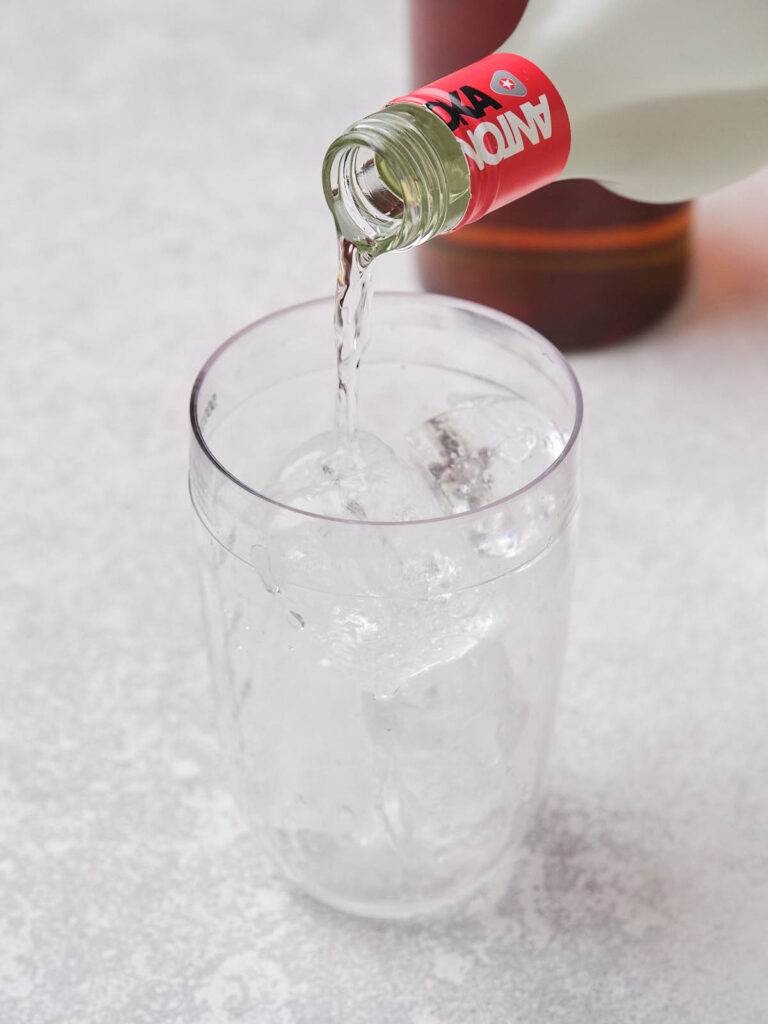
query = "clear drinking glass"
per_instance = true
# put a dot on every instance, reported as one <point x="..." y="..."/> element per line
<point x="386" y="689"/>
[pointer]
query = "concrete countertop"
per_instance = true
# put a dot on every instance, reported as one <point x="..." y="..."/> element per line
<point x="160" y="189"/>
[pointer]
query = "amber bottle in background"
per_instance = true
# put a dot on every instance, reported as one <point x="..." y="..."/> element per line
<point x="580" y="264"/>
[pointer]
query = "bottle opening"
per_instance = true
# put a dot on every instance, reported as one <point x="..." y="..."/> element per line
<point x="388" y="179"/>
<point x="365" y="196"/>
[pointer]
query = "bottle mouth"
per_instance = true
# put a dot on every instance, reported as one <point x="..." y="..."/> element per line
<point x="364" y="195"/>
<point x="385" y="180"/>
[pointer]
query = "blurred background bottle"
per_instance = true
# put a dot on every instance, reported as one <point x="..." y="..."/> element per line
<point x="615" y="266"/>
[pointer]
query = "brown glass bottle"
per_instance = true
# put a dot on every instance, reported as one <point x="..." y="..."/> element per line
<point x="580" y="264"/>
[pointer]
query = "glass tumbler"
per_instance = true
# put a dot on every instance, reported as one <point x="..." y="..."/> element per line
<point x="386" y="690"/>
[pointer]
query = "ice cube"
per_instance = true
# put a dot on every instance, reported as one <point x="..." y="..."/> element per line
<point x="364" y="570"/>
<point x="358" y="479"/>
<point x="381" y="602"/>
<point x="445" y="743"/>
<point x="484" y="448"/>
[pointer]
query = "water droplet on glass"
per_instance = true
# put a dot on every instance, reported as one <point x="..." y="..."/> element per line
<point x="263" y="566"/>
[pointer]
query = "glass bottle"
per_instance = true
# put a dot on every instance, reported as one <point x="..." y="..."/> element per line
<point x="615" y="266"/>
<point x="632" y="104"/>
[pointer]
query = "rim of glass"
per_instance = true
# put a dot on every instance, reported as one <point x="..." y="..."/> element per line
<point x="419" y="297"/>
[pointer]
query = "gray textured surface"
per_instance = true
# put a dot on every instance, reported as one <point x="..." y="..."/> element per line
<point x="153" y="201"/>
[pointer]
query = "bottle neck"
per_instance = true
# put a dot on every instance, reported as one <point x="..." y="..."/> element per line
<point x="447" y="154"/>
<point x="395" y="179"/>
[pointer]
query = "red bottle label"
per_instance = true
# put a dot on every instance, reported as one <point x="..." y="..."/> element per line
<point x="511" y="124"/>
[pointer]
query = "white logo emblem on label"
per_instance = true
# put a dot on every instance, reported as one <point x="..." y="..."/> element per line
<point x="505" y="84"/>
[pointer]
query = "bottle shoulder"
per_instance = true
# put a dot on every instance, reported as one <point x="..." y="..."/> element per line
<point x="666" y="101"/>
